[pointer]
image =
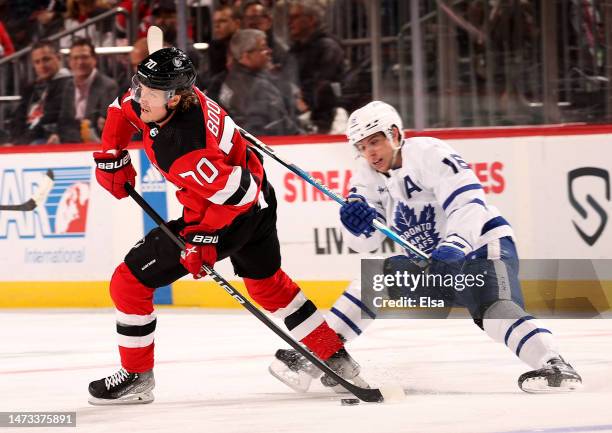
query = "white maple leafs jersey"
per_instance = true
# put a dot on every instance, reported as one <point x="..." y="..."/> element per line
<point x="433" y="195"/>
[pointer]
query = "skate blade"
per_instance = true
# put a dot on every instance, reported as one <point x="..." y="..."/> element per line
<point x="357" y="380"/>
<point x="298" y="381"/>
<point x="539" y="385"/>
<point x="139" y="398"/>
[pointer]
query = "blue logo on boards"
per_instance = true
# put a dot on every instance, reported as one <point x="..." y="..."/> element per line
<point x="64" y="213"/>
<point x="153" y="181"/>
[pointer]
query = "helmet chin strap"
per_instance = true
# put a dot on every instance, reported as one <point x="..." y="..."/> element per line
<point x="397" y="148"/>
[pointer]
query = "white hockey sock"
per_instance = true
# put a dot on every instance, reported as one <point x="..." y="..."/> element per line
<point x="349" y="316"/>
<point x="508" y="323"/>
<point x="301" y="316"/>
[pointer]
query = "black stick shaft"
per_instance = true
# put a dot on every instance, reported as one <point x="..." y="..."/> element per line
<point x="153" y="214"/>
<point x="387" y="231"/>
<point x="365" y="394"/>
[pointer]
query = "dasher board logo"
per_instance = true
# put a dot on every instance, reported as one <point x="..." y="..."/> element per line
<point x="153" y="181"/>
<point x="590" y="203"/>
<point x="63" y="215"/>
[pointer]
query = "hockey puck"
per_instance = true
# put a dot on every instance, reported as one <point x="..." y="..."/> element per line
<point x="349" y="401"/>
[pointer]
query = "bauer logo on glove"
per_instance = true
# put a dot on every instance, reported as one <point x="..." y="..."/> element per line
<point x="114" y="165"/>
<point x="204" y="239"/>
<point x="113" y="169"/>
<point x="200" y="249"/>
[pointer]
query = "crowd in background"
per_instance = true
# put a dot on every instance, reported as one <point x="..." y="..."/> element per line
<point x="270" y="87"/>
<point x="284" y="67"/>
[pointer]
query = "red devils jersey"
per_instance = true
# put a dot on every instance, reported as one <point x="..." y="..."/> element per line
<point x="201" y="152"/>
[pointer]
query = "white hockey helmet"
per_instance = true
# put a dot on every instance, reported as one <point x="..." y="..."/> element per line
<point x="376" y="116"/>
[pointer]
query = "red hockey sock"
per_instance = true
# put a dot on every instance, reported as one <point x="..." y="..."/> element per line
<point x="280" y="295"/>
<point x="135" y="320"/>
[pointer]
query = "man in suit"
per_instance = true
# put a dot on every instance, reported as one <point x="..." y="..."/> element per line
<point x="226" y="21"/>
<point x="249" y="93"/>
<point x="319" y="56"/>
<point x="93" y="91"/>
<point x="45" y="114"/>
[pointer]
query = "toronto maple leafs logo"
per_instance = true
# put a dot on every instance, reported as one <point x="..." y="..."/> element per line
<point x="420" y="232"/>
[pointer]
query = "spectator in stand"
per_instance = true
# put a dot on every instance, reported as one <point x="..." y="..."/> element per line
<point x="79" y="11"/>
<point x="249" y="93"/>
<point x="29" y="21"/>
<point x="164" y="17"/>
<point x="330" y="118"/>
<point x="46" y="111"/>
<point x="214" y="84"/>
<point x="163" y="14"/>
<point x="319" y="56"/>
<point x="255" y="15"/>
<point x="94" y="91"/>
<point x="129" y="62"/>
<point x="140" y="51"/>
<point x="6" y="49"/>
<point x="6" y="45"/>
<point x="48" y="20"/>
<point x="333" y="120"/>
<point x="145" y="17"/>
<point x="225" y="23"/>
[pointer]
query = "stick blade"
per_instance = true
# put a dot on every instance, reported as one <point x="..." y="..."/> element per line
<point x="44" y="188"/>
<point x="372" y="395"/>
<point x="39" y="198"/>
<point x="155" y="39"/>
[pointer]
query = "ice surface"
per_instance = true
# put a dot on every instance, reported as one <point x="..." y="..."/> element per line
<point x="211" y="374"/>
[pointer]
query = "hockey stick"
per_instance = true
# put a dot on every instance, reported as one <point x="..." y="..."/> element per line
<point x="372" y="395"/>
<point x="155" y="39"/>
<point x="37" y="199"/>
<point x="378" y="225"/>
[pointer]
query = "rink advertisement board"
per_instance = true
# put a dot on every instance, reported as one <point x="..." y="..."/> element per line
<point x="62" y="252"/>
<point x="554" y="188"/>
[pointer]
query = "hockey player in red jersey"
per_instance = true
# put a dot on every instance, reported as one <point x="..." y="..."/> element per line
<point x="229" y="210"/>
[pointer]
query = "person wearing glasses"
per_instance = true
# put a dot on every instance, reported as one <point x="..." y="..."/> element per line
<point x="249" y="92"/>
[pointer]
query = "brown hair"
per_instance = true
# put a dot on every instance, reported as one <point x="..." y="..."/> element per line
<point x="44" y="43"/>
<point x="84" y="42"/>
<point x="236" y="14"/>
<point x="188" y="99"/>
<point x="74" y="7"/>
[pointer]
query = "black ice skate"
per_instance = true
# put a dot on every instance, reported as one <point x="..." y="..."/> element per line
<point x="293" y="369"/>
<point x="556" y="376"/>
<point x="346" y="367"/>
<point x="123" y="388"/>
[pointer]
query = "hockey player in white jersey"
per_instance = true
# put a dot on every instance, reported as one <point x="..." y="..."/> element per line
<point x="426" y="192"/>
